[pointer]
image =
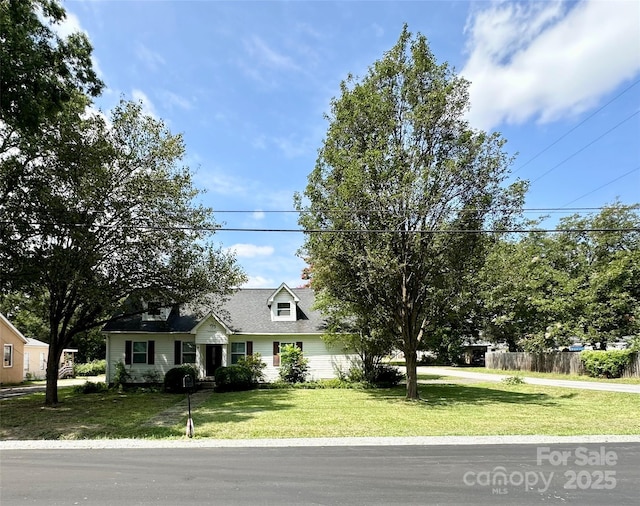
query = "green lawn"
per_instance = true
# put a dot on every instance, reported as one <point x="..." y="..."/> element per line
<point x="447" y="409"/>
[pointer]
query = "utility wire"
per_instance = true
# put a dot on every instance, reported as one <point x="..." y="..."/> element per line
<point x="586" y="146"/>
<point x="576" y="127"/>
<point x="437" y="231"/>
<point x="562" y="209"/>
<point x="606" y="184"/>
<point x="143" y="228"/>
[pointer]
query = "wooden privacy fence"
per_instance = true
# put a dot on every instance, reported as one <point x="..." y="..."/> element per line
<point x="560" y="362"/>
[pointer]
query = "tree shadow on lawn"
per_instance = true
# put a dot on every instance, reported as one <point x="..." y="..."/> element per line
<point x="449" y="394"/>
<point x="242" y="406"/>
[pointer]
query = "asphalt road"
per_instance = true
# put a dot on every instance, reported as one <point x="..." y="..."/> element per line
<point x="599" y="474"/>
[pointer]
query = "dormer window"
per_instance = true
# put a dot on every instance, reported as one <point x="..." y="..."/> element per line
<point x="283" y="304"/>
<point x="155" y="311"/>
<point x="284" y="309"/>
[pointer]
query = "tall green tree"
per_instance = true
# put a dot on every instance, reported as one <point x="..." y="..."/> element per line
<point x="401" y="187"/>
<point x="94" y="213"/>
<point x="40" y="71"/>
<point x="606" y="246"/>
<point x="525" y="285"/>
<point x="582" y="280"/>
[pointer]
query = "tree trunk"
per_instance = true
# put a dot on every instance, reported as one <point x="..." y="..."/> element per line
<point x="53" y="365"/>
<point x="411" y="358"/>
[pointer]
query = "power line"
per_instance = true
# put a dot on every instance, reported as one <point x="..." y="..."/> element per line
<point x="586" y="146"/>
<point x="143" y="228"/>
<point x="576" y="127"/>
<point x="606" y="184"/>
<point x="562" y="209"/>
<point x="436" y="231"/>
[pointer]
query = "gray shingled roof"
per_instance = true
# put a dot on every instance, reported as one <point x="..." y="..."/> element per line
<point x="247" y="311"/>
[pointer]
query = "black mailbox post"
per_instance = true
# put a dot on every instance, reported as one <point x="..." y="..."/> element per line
<point x="187" y="384"/>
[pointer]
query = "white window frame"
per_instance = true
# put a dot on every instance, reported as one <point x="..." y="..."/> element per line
<point x="139" y="353"/>
<point x="190" y="344"/>
<point x="7" y="363"/>
<point x="237" y="355"/>
<point x="283" y="309"/>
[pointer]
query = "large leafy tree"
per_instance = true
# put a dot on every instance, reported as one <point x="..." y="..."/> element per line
<point x="400" y="190"/>
<point x="606" y="247"/>
<point x="97" y="211"/>
<point x="580" y="281"/>
<point x="40" y="70"/>
<point x="525" y="285"/>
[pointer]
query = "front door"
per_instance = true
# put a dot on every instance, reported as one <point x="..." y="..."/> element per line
<point x="213" y="358"/>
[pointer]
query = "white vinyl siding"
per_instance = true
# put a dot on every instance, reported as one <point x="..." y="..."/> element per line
<point x="211" y="332"/>
<point x="164" y="351"/>
<point x="321" y="358"/>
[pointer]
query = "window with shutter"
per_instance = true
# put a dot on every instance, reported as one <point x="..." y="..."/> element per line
<point x="139" y="352"/>
<point x="177" y="352"/>
<point x="151" y="352"/>
<point x="128" y="352"/>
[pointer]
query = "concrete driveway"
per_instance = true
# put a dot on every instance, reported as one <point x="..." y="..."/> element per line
<point x="459" y="372"/>
<point x="40" y="386"/>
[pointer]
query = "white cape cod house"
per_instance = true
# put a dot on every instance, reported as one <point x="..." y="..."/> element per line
<point x="252" y="321"/>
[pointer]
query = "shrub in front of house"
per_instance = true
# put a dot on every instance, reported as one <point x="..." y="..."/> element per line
<point x="294" y="367"/>
<point x="255" y="364"/>
<point x="88" y="387"/>
<point x="385" y="376"/>
<point x="173" y="380"/>
<point x="606" y="364"/>
<point x="234" y="378"/>
<point x="93" y="368"/>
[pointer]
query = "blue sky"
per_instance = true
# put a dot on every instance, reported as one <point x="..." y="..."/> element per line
<point x="248" y="84"/>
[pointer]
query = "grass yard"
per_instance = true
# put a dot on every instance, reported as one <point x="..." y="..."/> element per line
<point x="447" y="409"/>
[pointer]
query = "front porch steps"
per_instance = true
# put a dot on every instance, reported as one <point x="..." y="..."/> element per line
<point x="206" y="384"/>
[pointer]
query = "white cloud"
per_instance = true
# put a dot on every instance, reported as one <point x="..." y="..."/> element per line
<point x="267" y="56"/>
<point x="251" y="250"/>
<point x="172" y="99"/>
<point x="259" y="282"/>
<point x="150" y="58"/>
<point x="147" y="106"/>
<point x="545" y="60"/>
<point x="377" y="30"/>
<point x="258" y="215"/>
<point x="68" y="26"/>
<point x="292" y="148"/>
<point x="221" y="183"/>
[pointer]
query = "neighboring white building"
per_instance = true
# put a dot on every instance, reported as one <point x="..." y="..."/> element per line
<point x="252" y="321"/>
<point x="36" y="354"/>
